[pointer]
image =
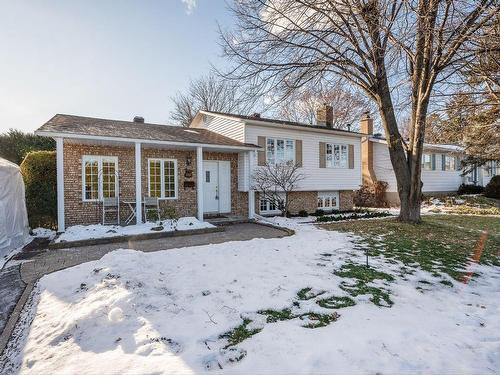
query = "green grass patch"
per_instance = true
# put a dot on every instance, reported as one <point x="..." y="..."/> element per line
<point x="238" y="334"/>
<point x="335" y="302"/>
<point x="440" y="244"/>
<point x="277" y="315"/>
<point x="316" y="320"/>
<point x="308" y="293"/>
<point x="379" y="296"/>
<point x="362" y="273"/>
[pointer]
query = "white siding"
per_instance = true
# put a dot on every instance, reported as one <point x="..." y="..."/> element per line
<point x="434" y="181"/>
<point x="382" y="166"/>
<point x="316" y="178"/>
<point x="227" y="127"/>
<point x="243" y="169"/>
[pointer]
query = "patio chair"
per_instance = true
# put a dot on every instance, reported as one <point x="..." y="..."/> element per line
<point x="110" y="206"/>
<point x="151" y="204"/>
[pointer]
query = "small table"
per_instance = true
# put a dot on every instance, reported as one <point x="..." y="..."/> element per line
<point x="131" y="205"/>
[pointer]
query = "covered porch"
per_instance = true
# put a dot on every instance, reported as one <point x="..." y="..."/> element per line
<point x="201" y="180"/>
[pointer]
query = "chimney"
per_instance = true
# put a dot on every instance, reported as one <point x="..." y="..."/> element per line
<point x="367" y="171"/>
<point x="139" y="119"/>
<point x="366" y="124"/>
<point x="324" y="116"/>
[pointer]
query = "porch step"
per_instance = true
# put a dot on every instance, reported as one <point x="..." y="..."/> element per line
<point x="227" y="220"/>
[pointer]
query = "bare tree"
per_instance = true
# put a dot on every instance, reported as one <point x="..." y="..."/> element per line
<point x="394" y="50"/>
<point x="210" y="93"/>
<point x="275" y="182"/>
<point x="348" y="106"/>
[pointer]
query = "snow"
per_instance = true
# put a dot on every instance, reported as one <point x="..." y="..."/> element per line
<point x="163" y="312"/>
<point x="85" y="232"/>
<point x="44" y="233"/>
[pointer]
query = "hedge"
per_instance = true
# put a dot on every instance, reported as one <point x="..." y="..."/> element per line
<point x="40" y="179"/>
<point x="492" y="190"/>
<point x="470" y="189"/>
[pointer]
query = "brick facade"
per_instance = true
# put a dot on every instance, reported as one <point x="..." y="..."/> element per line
<point x="79" y="212"/>
<point x="308" y="200"/>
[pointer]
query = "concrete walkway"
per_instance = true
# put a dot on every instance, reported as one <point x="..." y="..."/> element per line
<point x="54" y="260"/>
<point x="35" y="264"/>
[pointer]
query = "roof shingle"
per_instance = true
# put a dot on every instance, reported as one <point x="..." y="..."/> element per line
<point x="79" y="125"/>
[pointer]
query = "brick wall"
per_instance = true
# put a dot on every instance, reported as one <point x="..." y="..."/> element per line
<point x="79" y="212"/>
<point x="308" y="200"/>
<point x="346" y="200"/>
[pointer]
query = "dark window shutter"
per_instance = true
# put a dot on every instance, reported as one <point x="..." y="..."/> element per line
<point x="261" y="154"/>
<point x="443" y="162"/>
<point x="322" y="154"/>
<point x="457" y="163"/>
<point x="433" y="161"/>
<point x="350" y="156"/>
<point x="298" y="152"/>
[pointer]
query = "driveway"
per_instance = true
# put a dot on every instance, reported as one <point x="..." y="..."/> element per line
<point x="34" y="263"/>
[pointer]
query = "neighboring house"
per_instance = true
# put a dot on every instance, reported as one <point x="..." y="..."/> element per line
<point x="441" y="169"/>
<point x="99" y="158"/>
<point x="330" y="159"/>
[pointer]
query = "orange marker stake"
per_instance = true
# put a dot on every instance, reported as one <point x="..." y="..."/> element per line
<point x="478" y="251"/>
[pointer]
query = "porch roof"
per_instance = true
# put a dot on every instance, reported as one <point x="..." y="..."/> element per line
<point x="69" y="126"/>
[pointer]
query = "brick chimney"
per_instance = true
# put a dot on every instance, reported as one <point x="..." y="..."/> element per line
<point x="139" y="119"/>
<point x="367" y="171"/>
<point x="324" y="116"/>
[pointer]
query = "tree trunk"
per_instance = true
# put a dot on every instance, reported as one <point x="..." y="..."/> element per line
<point x="410" y="208"/>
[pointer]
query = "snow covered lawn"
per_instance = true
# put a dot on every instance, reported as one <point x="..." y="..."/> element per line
<point x="85" y="232"/>
<point x="300" y="304"/>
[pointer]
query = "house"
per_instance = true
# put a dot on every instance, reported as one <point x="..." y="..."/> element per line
<point x="130" y="160"/>
<point x="330" y="159"/>
<point x="441" y="168"/>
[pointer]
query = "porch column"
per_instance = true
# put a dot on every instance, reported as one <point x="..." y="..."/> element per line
<point x="60" y="184"/>
<point x="138" y="184"/>
<point x="199" y="181"/>
<point x="251" y="191"/>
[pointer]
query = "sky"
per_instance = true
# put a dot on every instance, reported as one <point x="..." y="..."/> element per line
<point x="102" y="58"/>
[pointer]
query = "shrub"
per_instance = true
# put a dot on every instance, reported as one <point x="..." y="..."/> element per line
<point x="492" y="190"/>
<point x="470" y="189"/>
<point x="353" y="216"/>
<point x="319" y="212"/>
<point x="39" y="173"/>
<point x="371" y="195"/>
<point x="303" y="213"/>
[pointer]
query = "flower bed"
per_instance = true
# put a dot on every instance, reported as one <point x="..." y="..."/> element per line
<point x="352" y="216"/>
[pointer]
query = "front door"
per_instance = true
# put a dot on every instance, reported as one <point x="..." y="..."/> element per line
<point x="216" y="186"/>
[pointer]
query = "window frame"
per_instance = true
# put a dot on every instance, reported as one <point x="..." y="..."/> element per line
<point x="275" y="143"/>
<point x="329" y="163"/>
<point x="100" y="181"/>
<point x="430" y="162"/>
<point x="162" y="178"/>
<point x="446" y="165"/>
<point x="328" y="194"/>
<point x="490" y="168"/>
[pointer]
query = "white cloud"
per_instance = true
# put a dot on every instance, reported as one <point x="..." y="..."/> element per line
<point x="190" y="5"/>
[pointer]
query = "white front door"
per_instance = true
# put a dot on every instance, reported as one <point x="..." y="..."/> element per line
<point x="216" y="186"/>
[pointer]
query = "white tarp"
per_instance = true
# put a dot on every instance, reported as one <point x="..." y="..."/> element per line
<point x="14" y="228"/>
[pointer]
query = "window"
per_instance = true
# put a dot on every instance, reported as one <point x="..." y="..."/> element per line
<point x="328" y="200"/>
<point x="449" y="163"/>
<point x="162" y="178"/>
<point x="267" y="206"/>
<point x="100" y="177"/>
<point x="490" y="168"/>
<point x="336" y="155"/>
<point x="427" y="162"/>
<point x="280" y="150"/>
<point x="271" y="206"/>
